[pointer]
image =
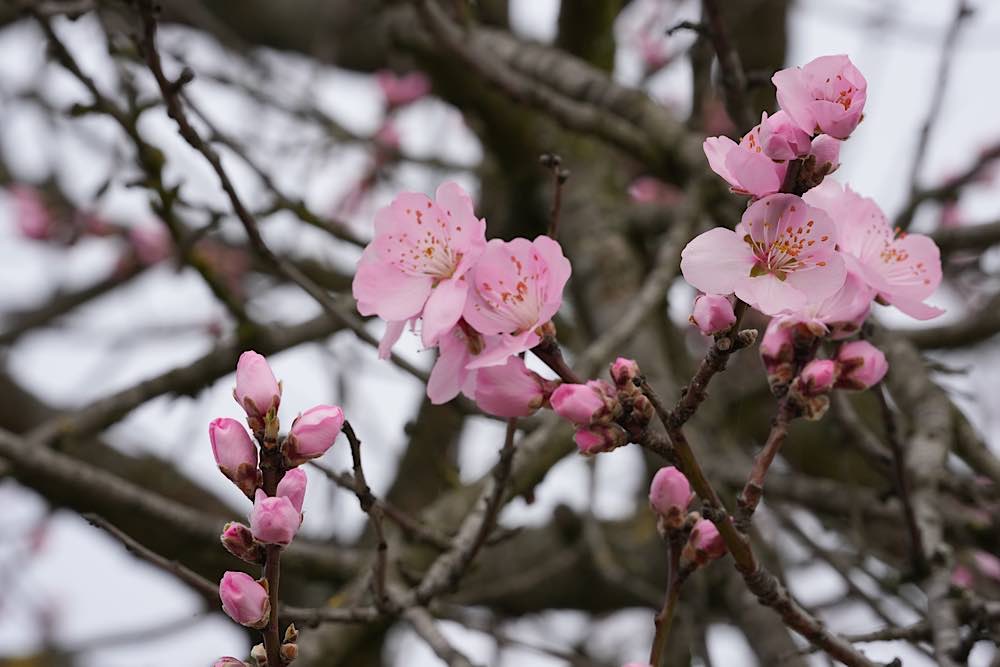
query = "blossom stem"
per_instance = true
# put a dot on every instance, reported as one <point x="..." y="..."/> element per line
<point x="753" y="490"/>
<point x="273" y="469"/>
<point x="664" y="620"/>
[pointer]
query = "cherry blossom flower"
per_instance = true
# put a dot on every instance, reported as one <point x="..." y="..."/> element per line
<point x="417" y="263"/>
<point x="744" y="165"/>
<point x="781" y="257"/>
<point x="903" y="268"/>
<point x="781" y="139"/>
<point x="826" y="95"/>
<point x="517" y="287"/>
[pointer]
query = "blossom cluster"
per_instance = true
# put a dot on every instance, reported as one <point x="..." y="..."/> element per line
<point x="268" y="473"/>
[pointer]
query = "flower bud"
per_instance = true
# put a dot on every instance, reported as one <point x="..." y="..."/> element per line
<point x="704" y="544"/>
<point x="669" y="495"/>
<point x="861" y="365"/>
<point x="289" y="652"/>
<point x="826" y="151"/>
<point x="150" y="242"/>
<point x="599" y="438"/>
<point x="293" y="487"/>
<point x="256" y="391"/>
<point x="712" y="314"/>
<point x="234" y="453"/>
<point x="244" y="600"/>
<point x="624" y="372"/>
<point x="313" y="432"/>
<point x="781" y="139"/>
<point x="228" y="661"/>
<point x="585" y="404"/>
<point x="238" y="540"/>
<point x="817" y="377"/>
<point x="274" y="520"/>
<point x="259" y="655"/>
<point x="777" y="351"/>
<point x="511" y="390"/>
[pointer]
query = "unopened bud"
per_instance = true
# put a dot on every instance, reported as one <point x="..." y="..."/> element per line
<point x="669" y="495"/>
<point x="600" y="438"/>
<point x="704" y="545"/>
<point x="238" y="540"/>
<point x="861" y="365"/>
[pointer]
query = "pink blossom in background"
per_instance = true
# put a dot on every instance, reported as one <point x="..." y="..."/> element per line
<point x="312" y="433"/>
<point x="293" y="487"/>
<point x="987" y="564"/>
<point x="951" y="215"/>
<point x="33" y="218"/>
<point x="400" y="90"/>
<point x="781" y="139"/>
<point x="517" y="287"/>
<point x="417" y="263"/>
<point x="256" y="390"/>
<point x="511" y="390"/>
<point x="650" y="190"/>
<point x="839" y="315"/>
<point x="904" y="269"/>
<point x="861" y="365"/>
<point x="151" y="243"/>
<point x="274" y="520"/>
<point x="244" y="600"/>
<point x="744" y="165"/>
<point x="961" y="577"/>
<point x="228" y="661"/>
<point x="782" y="256"/>
<point x="826" y="95"/>
<point x="712" y="314"/>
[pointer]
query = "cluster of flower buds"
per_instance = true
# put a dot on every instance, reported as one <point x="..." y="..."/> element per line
<point x="274" y="519"/>
<point x="670" y="496"/>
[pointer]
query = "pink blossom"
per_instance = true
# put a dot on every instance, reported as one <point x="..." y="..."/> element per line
<point x="151" y="243"/>
<point x="256" y="391"/>
<point x="651" y="190"/>
<point x="456" y="350"/>
<point x="781" y="139"/>
<point x="234" y="453"/>
<point x="839" y="315"/>
<point x="274" y="520"/>
<point x="781" y="257"/>
<point x="704" y="544"/>
<point x="987" y="564"/>
<point x="400" y="90"/>
<point x="517" y="287"/>
<point x="34" y="220"/>
<point x="712" y="314"/>
<point x="861" y="365"/>
<point x="826" y="95"/>
<point x="238" y="540"/>
<point x="599" y="438"/>
<point x="244" y="600"/>
<point x="670" y="494"/>
<point x="312" y="433"/>
<point x="511" y="390"/>
<point x="228" y="661"/>
<point x="624" y="371"/>
<point x="583" y="404"/>
<point x="777" y="346"/>
<point x="417" y="263"/>
<point x="961" y="577"/>
<point x="744" y="165"/>
<point x="904" y="269"/>
<point x="817" y="377"/>
<point x="293" y="487"/>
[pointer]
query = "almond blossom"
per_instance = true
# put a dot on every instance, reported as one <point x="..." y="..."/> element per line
<point x="744" y="165"/>
<point x="517" y="287"/>
<point x="782" y="256"/>
<point x="904" y="269"/>
<point x="417" y="263"/>
<point x="826" y="95"/>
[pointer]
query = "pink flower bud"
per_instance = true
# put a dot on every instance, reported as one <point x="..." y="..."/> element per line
<point x="826" y="150"/>
<point x="234" y="453"/>
<point x="781" y="138"/>
<point x="826" y="95"/>
<point x="861" y="365"/>
<point x="228" y="662"/>
<point x="650" y="190"/>
<point x="670" y="494"/>
<point x="34" y="220"/>
<point x="238" y="540"/>
<point x="777" y="346"/>
<point x="274" y="520"/>
<point x="817" y="377"/>
<point x="712" y="314"/>
<point x="599" y="438"/>
<point x="584" y="404"/>
<point x="511" y="390"/>
<point x="256" y="391"/>
<point x="293" y="487"/>
<point x="624" y="371"/>
<point x="151" y="242"/>
<point x="402" y="90"/>
<point x="244" y="599"/>
<point x="313" y="432"/>
<point x="704" y="545"/>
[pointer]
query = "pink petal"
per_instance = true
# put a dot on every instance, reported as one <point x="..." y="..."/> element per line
<point x="506" y="346"/>
<point x="393" y="330"/>
<point x="467" y="233"/>
<point x="794" y="97"/>
<point x="755" y="172"/>
<point x="819" y="282"/>
<point x="913" y="308"/>
<point x="770" y="295"/>
<point x="716" y="150"/>
<point x="716" y="261"/>
<point x="443" y="308"/>
<point x="386" y="291"/>
<point x="449" y="373"/>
